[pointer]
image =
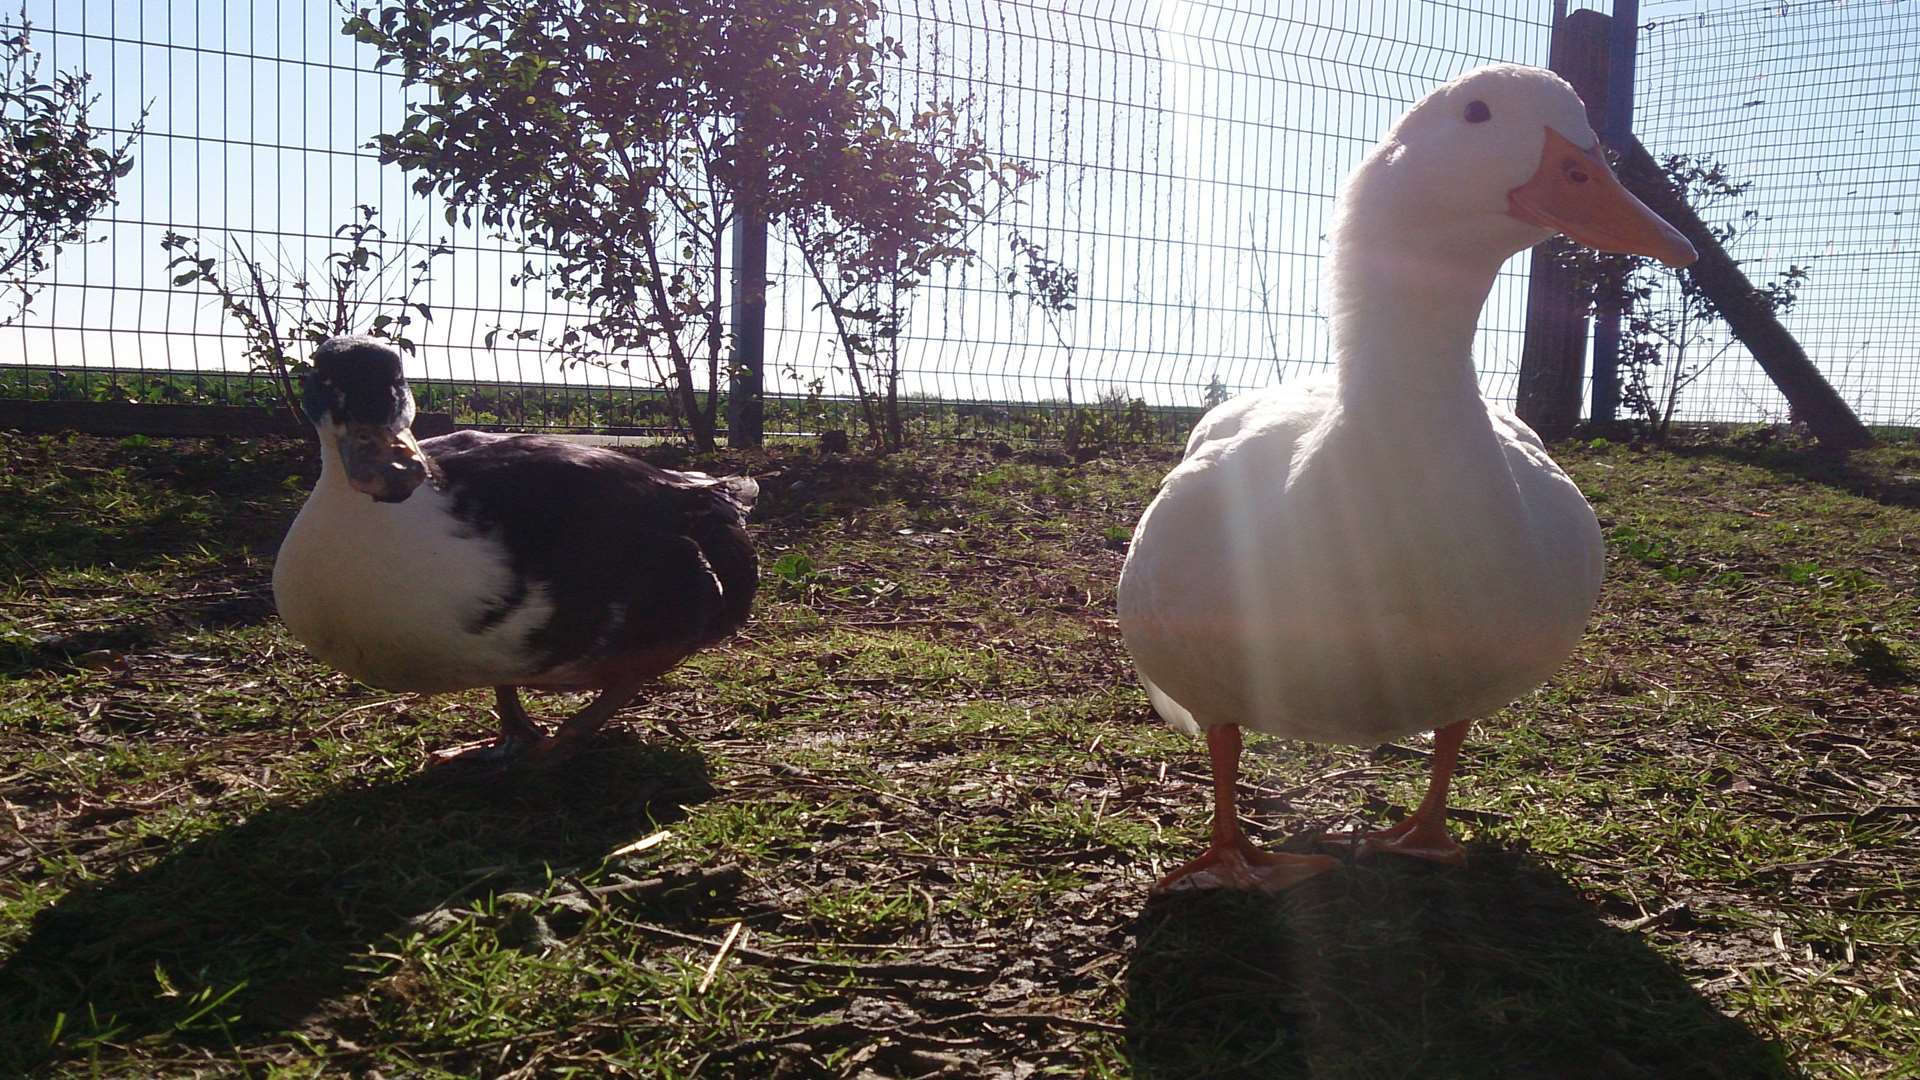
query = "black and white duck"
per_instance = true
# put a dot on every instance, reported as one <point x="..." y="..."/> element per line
<point x="509" y="561"/>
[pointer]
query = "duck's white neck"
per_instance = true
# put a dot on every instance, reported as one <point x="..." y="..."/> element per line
<point x="333" y="471"/>
<point x="1403" y="318"/>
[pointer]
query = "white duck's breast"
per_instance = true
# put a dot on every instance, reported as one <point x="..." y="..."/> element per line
<point x="401" y="595"/>
<point x="1312" y="578"/>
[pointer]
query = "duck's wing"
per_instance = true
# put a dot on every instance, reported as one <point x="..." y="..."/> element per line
<point x="1197" y="548"/>
<point x="632" y="557"/>
<point x="1263" y="408"/>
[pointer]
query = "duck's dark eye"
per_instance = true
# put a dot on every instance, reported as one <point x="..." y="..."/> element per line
<point x="1478" y="113"/>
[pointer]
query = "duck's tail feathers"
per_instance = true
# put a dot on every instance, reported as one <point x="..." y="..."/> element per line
<point x="1174" y="713"/>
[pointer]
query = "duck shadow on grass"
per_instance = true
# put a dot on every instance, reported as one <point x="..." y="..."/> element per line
<point x="285" y="905"/>
<point x="62" y="514"/>
<point x="1889" y="484"/>
<point x="1390" y="968"/>
<point x="240" y="603"/>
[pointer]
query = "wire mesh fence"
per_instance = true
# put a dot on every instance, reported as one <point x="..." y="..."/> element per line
<point x="257" y="118"/>
<point x="1816" y="104"/>
<point x="1188" y="153"/>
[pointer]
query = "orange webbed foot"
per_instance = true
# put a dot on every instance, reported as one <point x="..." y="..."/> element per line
<point x="1231" y="861"/>
<point x="1245" y="867"/>
<point x="1418" y="837"/>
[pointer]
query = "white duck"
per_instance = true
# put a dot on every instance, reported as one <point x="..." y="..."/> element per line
<point x="1386" y="552"/>
<point x="475" y="560"/>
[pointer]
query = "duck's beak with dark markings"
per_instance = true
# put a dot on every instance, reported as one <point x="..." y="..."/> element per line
<point x="382" y="462"/>
<point x="1574" y="192"/>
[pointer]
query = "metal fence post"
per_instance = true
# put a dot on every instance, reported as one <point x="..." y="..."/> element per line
<point x="1616" y="129"/>
<point x="746" y="384"/>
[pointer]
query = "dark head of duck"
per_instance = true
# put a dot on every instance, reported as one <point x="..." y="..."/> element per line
<point x="357" y="398"/>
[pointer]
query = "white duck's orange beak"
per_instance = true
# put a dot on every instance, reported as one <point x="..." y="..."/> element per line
<point x="1574" y="192"/>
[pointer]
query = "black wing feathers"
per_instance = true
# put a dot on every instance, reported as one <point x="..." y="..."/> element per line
<point x="632" y="556"/>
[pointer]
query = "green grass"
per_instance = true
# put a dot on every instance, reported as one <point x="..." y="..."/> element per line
<point x="925" y="788"/>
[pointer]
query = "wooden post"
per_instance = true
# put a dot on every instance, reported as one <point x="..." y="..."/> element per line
<point x="1553" y="357"/>
<point x="1751" y="319"/>
<point x="746" y="386"/>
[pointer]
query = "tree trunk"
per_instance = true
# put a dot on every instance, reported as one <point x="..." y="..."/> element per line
<point x="746" y="386"/>
<point x="896" y="428"/>
<point x="699" y="421"/>
<point x="716" y="336"/>
<point x="1553" y="355"/>
<point x="1813" y="399"/>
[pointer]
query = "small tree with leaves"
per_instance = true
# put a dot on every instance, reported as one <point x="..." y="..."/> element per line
<point x="1048" y="286"/>
<point x="1051" y="287"/>
<point x="367" y="287"/>
<point x="905" y="202"/>
<point x="621" y="139"/>
<point x="57" y="170"/>
<point x="1674" y="330"/>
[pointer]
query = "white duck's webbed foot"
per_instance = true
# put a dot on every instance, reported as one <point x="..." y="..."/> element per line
<point x="1231" y="861"/>
<point x="1423" y="835"/>
<point x="1420" y="836"/>
<point x="1245" y="867"/>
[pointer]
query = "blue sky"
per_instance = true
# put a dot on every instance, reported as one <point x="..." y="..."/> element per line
<point x="1190" y="151"/>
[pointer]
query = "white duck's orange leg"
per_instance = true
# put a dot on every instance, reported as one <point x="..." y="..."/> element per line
<point x="1423" y="835"/>
<point x="1231" y="861"/>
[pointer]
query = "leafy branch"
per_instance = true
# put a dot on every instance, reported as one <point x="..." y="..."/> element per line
<point x="57" y="171"/>
<point x="912" y="200"/>
<point x="1675" y="334"/>
<point x="282" y="313"/>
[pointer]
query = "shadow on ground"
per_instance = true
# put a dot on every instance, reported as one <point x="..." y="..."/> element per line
<point x="1891" y="477"/>
<point x="808" y="491"/>
<point x="216" y="604"/>
<point x="1392" y="968"/>
<point x="106" y="508"/>
<point x="283" y="906"/>
<point x="86" y="502"/>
